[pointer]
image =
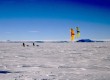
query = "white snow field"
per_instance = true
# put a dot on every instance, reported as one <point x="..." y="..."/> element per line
<point x="55" y="61"/>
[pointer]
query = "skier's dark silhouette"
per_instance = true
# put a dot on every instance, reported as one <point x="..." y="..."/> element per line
<point x="23" y="44"/>
<point x="33" y="44"/>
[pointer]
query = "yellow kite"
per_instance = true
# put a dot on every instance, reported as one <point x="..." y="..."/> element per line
<point x="78" y="32"/>
<point x="72" y="34"/>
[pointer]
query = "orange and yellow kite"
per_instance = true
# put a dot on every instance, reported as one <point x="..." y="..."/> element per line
<point x="72" y="34"/>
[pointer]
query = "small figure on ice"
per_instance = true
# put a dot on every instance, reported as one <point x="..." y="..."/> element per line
<point x="23" y="44"/>
<point x="37" y="45"/>
<point x="33" y="44"/>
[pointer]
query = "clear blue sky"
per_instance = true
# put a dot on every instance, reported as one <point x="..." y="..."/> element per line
<point x="52" y="19"/>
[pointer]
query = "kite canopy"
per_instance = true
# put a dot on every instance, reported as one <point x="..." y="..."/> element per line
<point x="78" y="32"/>
<point x="72" y="34"/>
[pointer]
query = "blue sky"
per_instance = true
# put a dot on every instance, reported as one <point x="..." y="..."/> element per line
<point x="52" y="19"/>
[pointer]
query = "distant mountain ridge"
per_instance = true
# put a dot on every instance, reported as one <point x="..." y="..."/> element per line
<point x="88" y="40"/>
<point x="26" y="41"/>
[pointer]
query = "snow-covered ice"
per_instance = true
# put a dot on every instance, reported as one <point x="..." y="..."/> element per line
<point x="55" y="61"/>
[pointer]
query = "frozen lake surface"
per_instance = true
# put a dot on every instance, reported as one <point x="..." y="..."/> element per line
<point x="55" y="61"/>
